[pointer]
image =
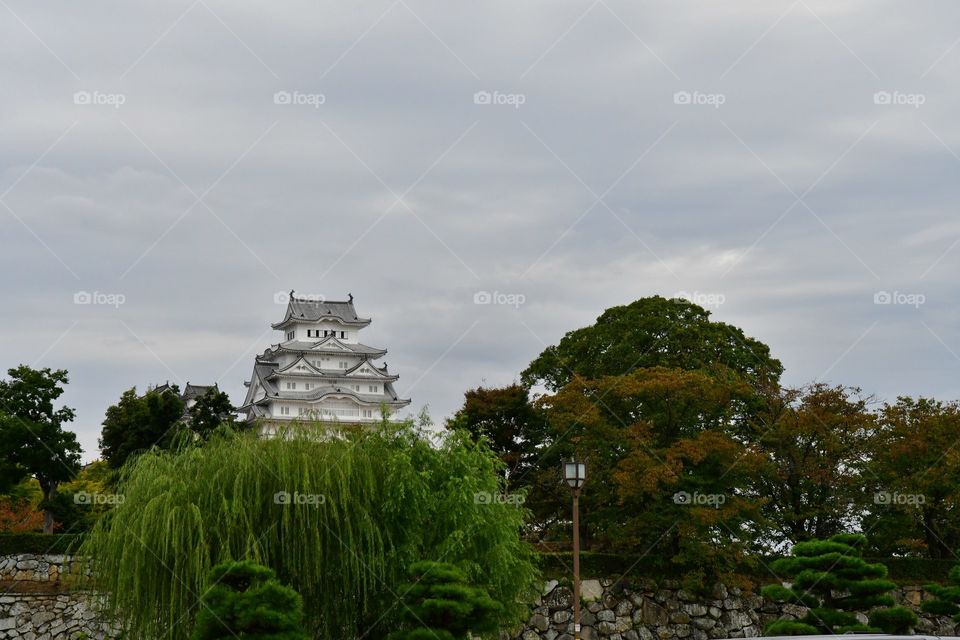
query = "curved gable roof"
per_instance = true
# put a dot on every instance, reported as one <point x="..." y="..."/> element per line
<point x="309" y="310"/>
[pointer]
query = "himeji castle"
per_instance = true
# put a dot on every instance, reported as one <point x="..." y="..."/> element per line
<point x="320" y="371"/>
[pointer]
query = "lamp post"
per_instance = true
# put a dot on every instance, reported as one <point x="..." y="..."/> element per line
<point x="575" y="475"/>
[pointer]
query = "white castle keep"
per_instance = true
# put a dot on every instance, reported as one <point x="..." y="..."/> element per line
<point x="320" y="371"/>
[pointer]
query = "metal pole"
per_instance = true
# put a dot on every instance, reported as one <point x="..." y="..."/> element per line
<point x="576" y="564"/>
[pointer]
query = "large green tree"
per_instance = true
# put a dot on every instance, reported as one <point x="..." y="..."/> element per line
<point x="137" y="423"/>
<point x="32" y="439"/>
<point x="650" y="332"/>
<point x="340" y="519"/>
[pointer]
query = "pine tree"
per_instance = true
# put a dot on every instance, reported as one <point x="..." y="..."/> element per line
<point x="245" y="600"/>
<point x="440" y="604"/>
<point x="946" y="600"/>
<point x="833" y="580"/>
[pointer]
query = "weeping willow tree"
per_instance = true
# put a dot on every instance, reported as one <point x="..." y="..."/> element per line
<point x="338" y="519"/>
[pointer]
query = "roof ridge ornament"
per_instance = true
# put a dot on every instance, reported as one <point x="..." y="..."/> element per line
<point x="350" y="298"/>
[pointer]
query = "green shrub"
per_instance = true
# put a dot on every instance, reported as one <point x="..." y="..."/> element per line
<point x="245" y="600"/>
<point x="39" y="543"/>
<point x="441" y="604"/>
<point x="832" y="578"/>
<point x="946" y="600"/>
<point x="895" y="621"/>
<point x="789" y="628"/>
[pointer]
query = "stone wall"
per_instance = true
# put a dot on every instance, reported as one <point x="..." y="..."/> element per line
<point x="644" y="611"/>
<point x="37" y="604"/>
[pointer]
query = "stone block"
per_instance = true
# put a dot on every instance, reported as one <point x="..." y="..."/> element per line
<point x="591" y="590"/>
<point x="539" y="622"/>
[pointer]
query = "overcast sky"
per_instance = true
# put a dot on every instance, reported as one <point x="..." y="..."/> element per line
<point x="782" y="162"/>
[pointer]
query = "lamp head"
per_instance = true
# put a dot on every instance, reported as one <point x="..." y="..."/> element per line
<point x="575" y="473"/>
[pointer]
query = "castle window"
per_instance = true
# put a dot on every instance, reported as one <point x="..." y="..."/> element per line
<point x="343" y="334"/>
<point x="373" y="388"/>
<point x="291" y="385"/>
<point x="291" y="335"/>
<point x="285" y="411"/>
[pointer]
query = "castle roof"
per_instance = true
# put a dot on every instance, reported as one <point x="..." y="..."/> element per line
<point x="328" y="345"/>
<point x="314" y="310"/>
<point x="325" y="390"/>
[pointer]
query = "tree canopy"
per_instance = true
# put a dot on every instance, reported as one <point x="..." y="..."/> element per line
<point x="512" y="427"/>
<point x="914" y="470"/>
<point x="137" y="423"/>
<point x="209" y="412"/>
<point x="652" y="332"/>
<point x="32" y="439"/>
<point x="815" y="442"/>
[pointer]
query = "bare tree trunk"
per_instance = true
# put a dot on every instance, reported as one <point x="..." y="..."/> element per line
<point x="49" y="492"/>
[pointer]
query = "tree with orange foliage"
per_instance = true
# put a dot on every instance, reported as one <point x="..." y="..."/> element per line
<point x="668" y="476"/>
<point x="18" y="515"/>
<point x="914" y="507"/>
<point x="816" y="441"/>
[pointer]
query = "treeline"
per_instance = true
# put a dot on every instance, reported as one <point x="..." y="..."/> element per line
<point x="700" y="459"/>
<point x="42" y="484"/>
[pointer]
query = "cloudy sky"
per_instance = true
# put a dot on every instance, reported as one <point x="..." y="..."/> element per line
<point x="785" y="163"/>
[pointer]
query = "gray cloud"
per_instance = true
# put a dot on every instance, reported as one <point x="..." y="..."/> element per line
<point x="198" y="197"/>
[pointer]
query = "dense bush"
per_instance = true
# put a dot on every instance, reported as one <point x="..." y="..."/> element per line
<point x="946" y="600"/>
<point x="441" y="604"/>
<point x="245" y="600"/>
<point x="340" y="519"/>
<point x="39" y="543"/>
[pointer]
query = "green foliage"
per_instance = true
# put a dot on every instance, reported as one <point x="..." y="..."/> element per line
<point x="814" y="440"/>
<point x="32" y="439"/>
<point x="790" y="628"/>
<point x="340" y="518"/>
<point x="916" y="469"/>
<point x="39" y="543"/>
<point x="439" y="600"/>
<point x="137" y="423"/>
<point x="832" y="578"/>
<point x="667" y="476"/>
<point x="211" y="411"/>
<point x="946" y="600"/>
<point x="898" y="621"/>
<point x="245" y="600"/>
<point x="512" y="426"/>
<point x="653" y="332"/>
